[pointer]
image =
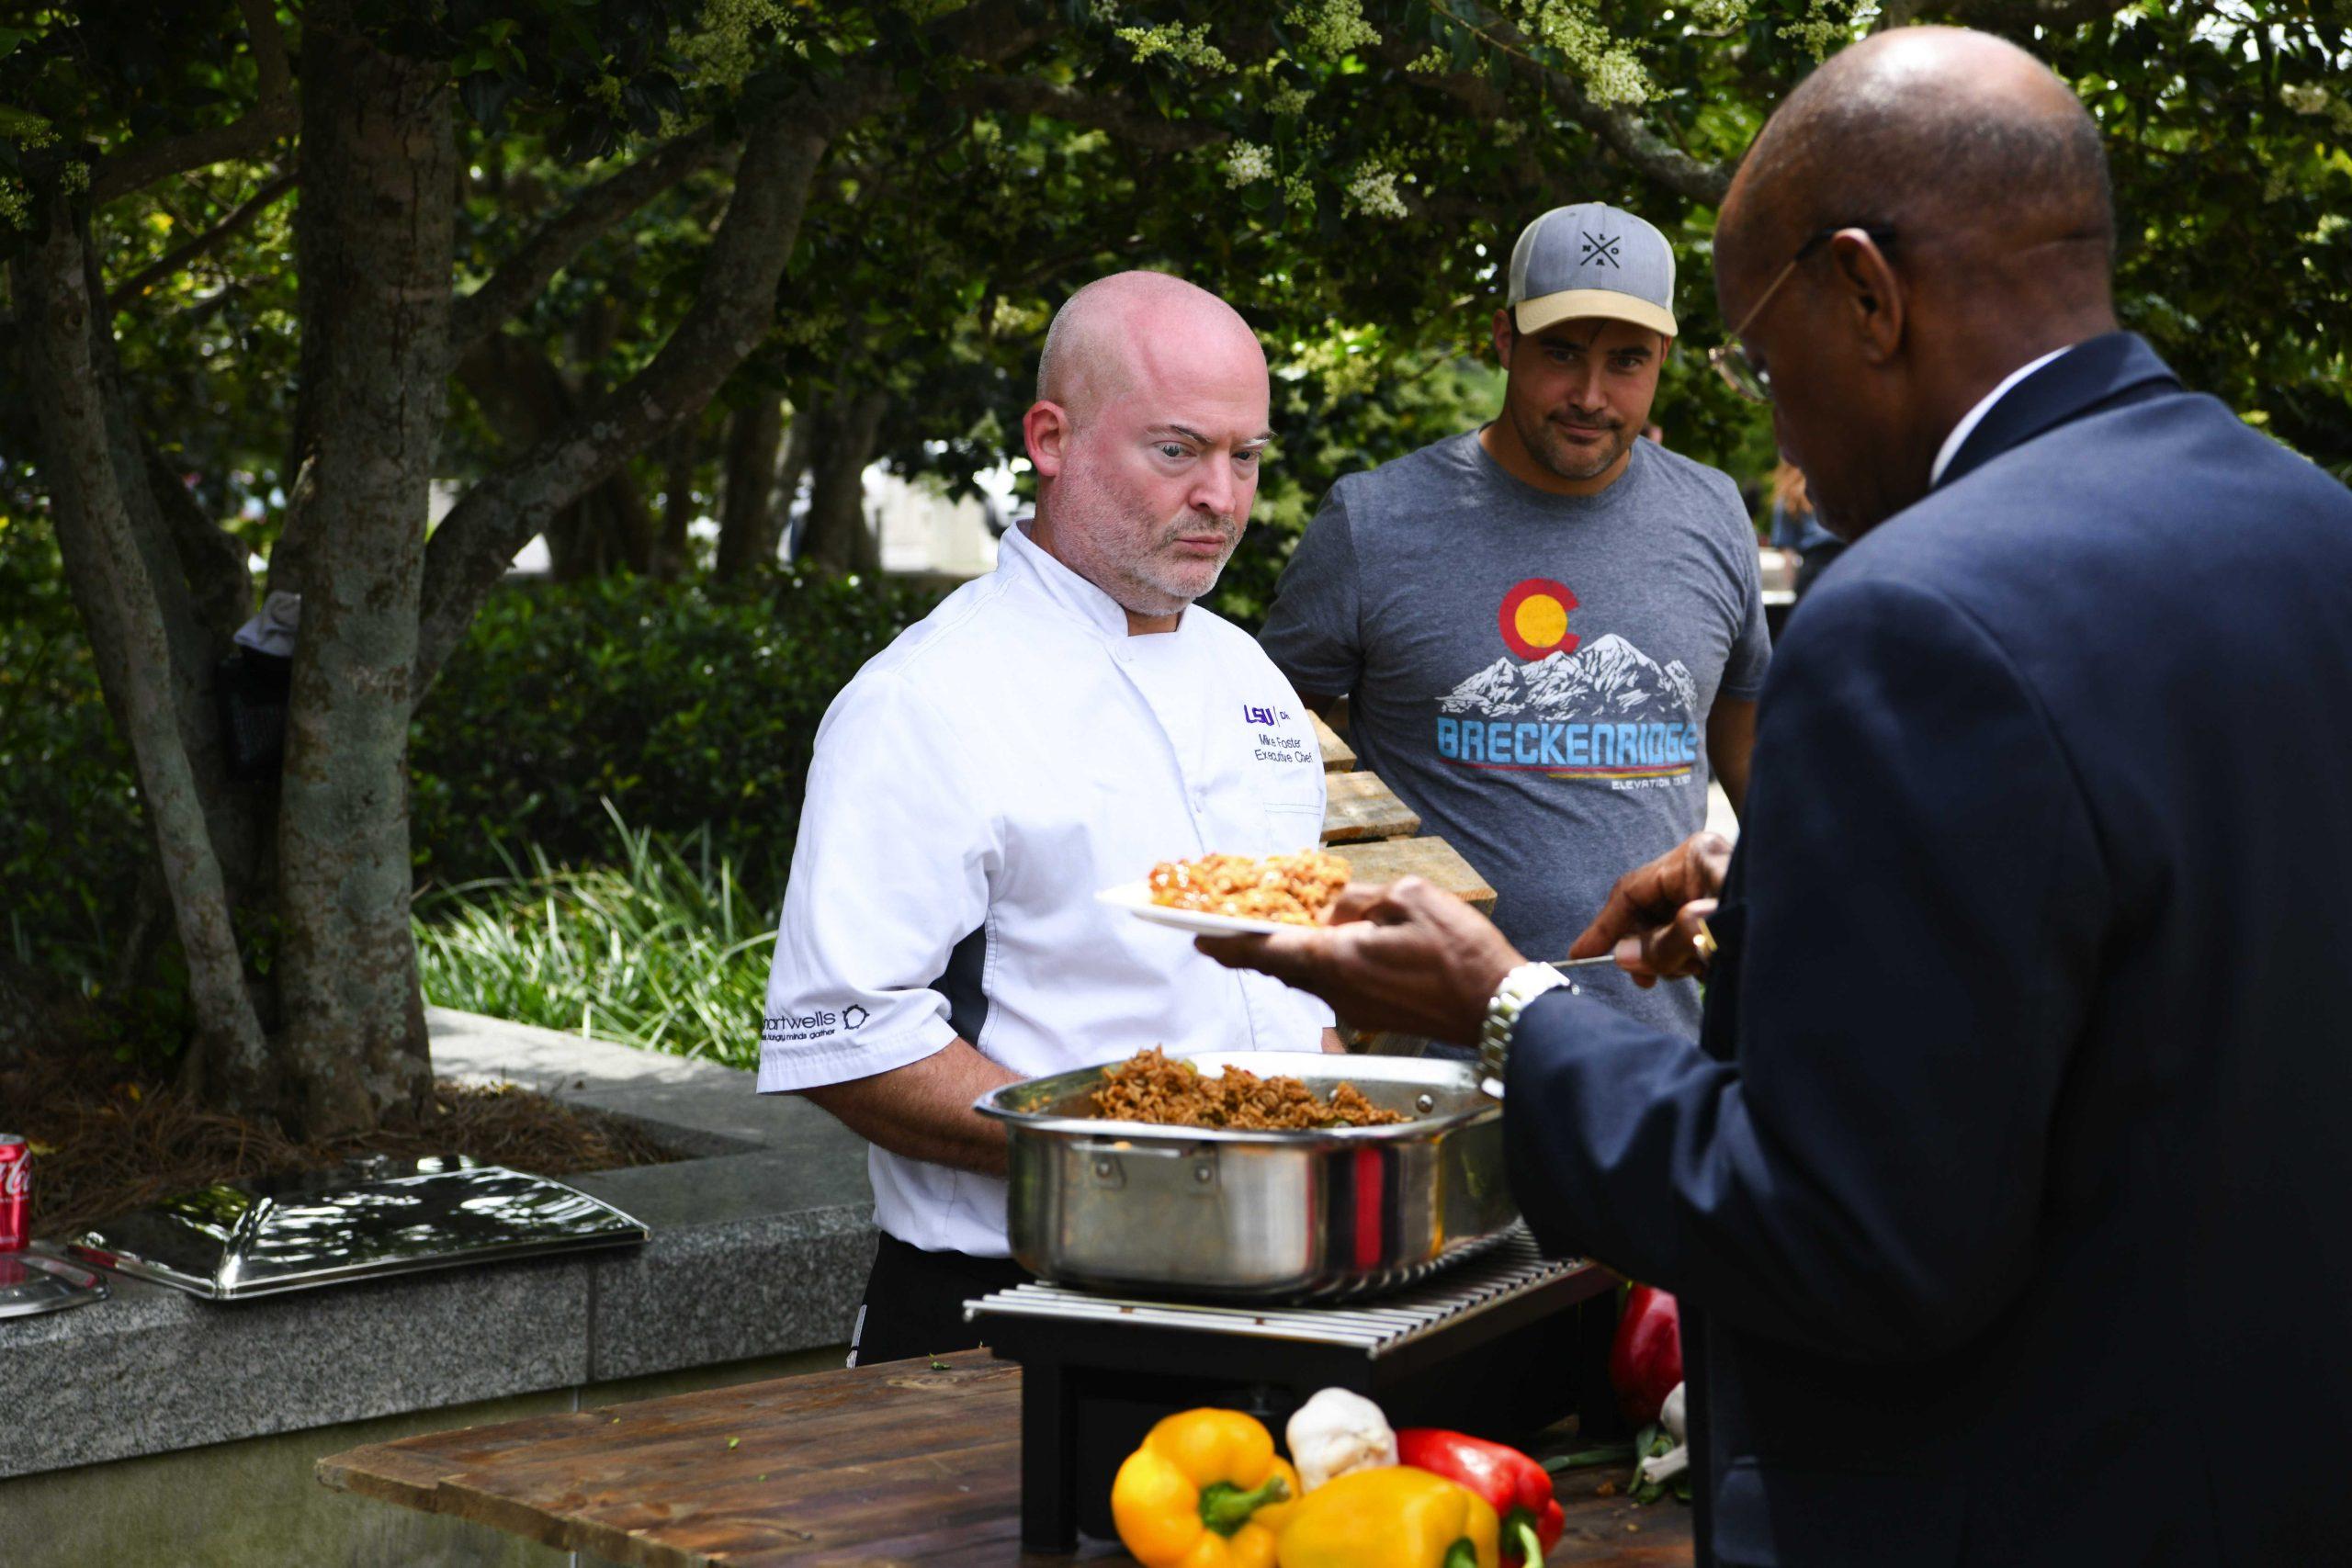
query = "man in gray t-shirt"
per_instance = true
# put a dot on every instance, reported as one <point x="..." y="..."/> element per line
<point x="1550" y="631"/>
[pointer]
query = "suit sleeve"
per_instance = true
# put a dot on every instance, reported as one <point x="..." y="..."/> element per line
<point x="1312" y="632"/>
<point x="1918" y="902"/>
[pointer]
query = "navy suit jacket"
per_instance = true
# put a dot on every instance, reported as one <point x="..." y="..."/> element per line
<point x="2009" y="1191"/>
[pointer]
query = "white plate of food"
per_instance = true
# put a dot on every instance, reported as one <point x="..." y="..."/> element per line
<point x="1234" y="894"/>
<point x="1135" y="897"/>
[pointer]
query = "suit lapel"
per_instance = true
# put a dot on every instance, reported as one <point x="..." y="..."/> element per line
<point x="2090" y="373"/>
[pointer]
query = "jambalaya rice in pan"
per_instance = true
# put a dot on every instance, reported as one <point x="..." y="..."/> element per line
<point x="1151" y="1086"/>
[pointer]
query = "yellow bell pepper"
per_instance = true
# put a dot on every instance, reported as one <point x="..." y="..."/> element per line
<point x="1392" y="1518"/>
<point x="1205" y="1490"/>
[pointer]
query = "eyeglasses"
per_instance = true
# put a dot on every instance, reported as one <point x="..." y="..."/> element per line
<point x="1740" y="373"/>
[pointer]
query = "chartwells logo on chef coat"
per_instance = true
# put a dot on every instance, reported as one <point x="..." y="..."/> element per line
<point x="785" y="1026"/>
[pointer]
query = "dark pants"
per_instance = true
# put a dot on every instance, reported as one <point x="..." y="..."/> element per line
<point x="914" y="1301"/>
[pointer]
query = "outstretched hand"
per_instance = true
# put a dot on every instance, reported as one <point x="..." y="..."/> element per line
<point x="1655" y="913"/>
<point x="1404" y="956"/>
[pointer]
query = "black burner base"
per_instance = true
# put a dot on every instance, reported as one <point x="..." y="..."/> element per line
<point x="1090" y="1388"/>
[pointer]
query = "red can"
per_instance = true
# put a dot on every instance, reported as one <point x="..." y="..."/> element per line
<point x="15" y="1193"/>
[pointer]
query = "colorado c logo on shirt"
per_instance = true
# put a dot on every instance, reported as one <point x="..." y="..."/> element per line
<point x="1535" y="618"/>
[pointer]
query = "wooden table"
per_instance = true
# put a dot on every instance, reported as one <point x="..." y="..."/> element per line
<point x="906" y="1462"/>
<point x="1375" y="833"/>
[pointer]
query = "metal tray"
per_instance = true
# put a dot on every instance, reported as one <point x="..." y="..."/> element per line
<point x="1256" y="1216"/>
<point x="36" y="1281"/>
<point x="234" y="1240"/>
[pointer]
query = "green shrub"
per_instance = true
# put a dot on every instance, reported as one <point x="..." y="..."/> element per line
<point x="686" y="706"/>
<point x="662" y="947"/>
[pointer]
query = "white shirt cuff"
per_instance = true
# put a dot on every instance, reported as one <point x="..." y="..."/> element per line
<point x="784" y="1068"/>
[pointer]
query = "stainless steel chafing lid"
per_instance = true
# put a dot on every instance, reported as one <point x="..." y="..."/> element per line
<point x="1438" y="1096"/>
<point x="382" y="1216"/>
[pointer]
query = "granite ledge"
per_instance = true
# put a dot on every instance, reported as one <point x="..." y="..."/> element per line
<point x="760" y="1246"/>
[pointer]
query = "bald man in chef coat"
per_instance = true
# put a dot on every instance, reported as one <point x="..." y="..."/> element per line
<point x="1050" y="730"/>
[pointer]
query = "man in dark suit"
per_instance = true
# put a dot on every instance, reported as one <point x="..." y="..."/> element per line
<point x="2007" y="1189"/>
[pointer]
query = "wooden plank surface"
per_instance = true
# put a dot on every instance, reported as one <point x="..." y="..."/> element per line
<point x="1388" y="859"/>
<point x="1338" y="756"/>
<point x="907" y="1463"/>
<point x="1358" y="806"/>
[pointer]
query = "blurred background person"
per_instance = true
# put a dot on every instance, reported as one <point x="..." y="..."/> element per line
<point x="1795" y="527"/>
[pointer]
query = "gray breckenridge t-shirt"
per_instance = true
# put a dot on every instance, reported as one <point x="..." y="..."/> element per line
<point x="1532" y="672"/>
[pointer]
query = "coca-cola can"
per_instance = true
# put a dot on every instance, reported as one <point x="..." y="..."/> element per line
<point x="15" y="1193"/>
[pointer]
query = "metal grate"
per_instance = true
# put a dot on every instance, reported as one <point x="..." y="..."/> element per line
<point x="1511" y="1267"/>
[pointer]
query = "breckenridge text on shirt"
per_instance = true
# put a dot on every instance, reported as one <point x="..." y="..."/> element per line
<point x="1601" y="750"/>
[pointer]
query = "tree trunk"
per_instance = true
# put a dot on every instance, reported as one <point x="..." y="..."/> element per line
<point x="679" y="450"/>
<point x="124" y="578"/>
<point x="525" y="397"/>
<point x="838" y="538"/>
<point x="747" y="517"/>
<point x="374" y="235"/>
<point x="733" y="310"/>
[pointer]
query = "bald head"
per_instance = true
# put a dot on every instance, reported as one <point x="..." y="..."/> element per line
<point x="1126" y="325"/>
<point x="1924" y="215"/>
<point x="1958" y="140"/>
<point x="1151" y="418"/>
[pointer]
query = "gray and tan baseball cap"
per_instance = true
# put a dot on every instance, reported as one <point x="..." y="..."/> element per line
<point x="1591" y="260"/>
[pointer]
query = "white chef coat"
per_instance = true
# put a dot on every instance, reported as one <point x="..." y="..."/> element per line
<point x="974" y="787"/>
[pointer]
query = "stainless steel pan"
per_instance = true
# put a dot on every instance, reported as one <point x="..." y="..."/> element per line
<point x="1256" y="1216"/>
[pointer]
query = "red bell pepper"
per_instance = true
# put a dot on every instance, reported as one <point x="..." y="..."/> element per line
<point x="1645" y="1359"/>
<point x="1519" y="1489"/>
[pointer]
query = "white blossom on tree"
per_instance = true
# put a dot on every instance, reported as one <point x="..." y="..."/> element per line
<point x="1246" y="164"/>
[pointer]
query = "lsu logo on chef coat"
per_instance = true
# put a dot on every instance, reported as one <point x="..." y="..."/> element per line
<point x="1276" y="744"/>
<point x="1570" y="709"/>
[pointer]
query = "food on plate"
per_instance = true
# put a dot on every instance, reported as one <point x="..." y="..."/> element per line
<point x="1293" y="889"/>
<point x="1205" y="1490"/>
<point x="1152" y="1087"/>
<point x="1515" y="1486"/>
<point x="1393" y="1517"/>
<point x="1335" y="1433"/>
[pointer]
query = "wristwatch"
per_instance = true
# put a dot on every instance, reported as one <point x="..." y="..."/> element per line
<point x="1521" y="986"/>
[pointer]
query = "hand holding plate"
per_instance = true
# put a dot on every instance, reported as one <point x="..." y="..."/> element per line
<point x="1404" y="956"/>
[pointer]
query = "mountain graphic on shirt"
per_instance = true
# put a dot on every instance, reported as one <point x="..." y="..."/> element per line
<point x="1608" y="680"/>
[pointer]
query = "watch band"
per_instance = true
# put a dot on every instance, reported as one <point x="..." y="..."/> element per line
<point x="1520" y="987"/>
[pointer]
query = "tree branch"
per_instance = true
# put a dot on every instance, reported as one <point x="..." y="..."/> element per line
<point x="252" y="206"/>
<point x="1135" y="126"/>
<point x="2016" y="16"/>
<point x="276" y="113"/>
<point x="1617" y="126"/>
<point x="558" y="241"/>
<point x="733" y="312"/>
<point x="215" y="562"/>
<point x="137" y="167"/>
<point x="730" y="313"/>
<point x="268" y="44"/>
<point x="119" y="599"/>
